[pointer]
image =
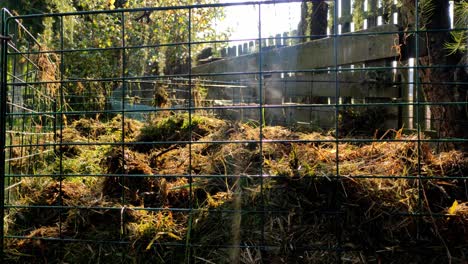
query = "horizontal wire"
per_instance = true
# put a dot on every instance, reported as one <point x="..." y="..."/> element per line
<point x="29" y="133"/>
<point x="30" y="155"/>
<point x="29" y="110"/>
<point x="162" y="8"/>
<point x="317" y="247"/>
<point x="296" y="178"/>
<point x="264" y="72"/>
<point x="267" y="210"/>
<point x="186" y="142"/>
<point x="230" y="107"/>
<point x="186" y="43"/>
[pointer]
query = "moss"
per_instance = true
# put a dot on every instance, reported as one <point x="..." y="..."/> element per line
<point x="144" y="198"/>
<point x="134" y="166"/>
<point x="70" y="140"/>
<point x="47" y="193"/>
<point x="175" y="129"/>
<point x="89" y="128"/>
<point x="160" y="97"/>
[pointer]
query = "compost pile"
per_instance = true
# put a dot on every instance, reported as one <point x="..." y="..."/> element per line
<point x="293" y="209"/>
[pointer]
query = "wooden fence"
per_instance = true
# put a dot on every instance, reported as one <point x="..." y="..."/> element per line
<point x="371" y="13"/>
<point x="296" y="84"/>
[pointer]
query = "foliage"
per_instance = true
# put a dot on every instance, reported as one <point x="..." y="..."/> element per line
<point x="304" y="23"/>
<point x="387" y="8"/>
<point x="129" y="29"/>
<point x="427" y="9"/>
<point x="27" y="7"/>
<point x="154" y="42"/>
<point x="460" y="37"/>
<point x="331" y="14"/>
<point x="358" y="14"/>
<point x="177" y="127"/>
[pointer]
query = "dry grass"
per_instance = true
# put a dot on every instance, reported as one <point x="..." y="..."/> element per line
<point x="279" y="201"/>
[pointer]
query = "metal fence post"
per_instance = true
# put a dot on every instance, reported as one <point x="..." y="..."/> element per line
<point x="3" y="96"/>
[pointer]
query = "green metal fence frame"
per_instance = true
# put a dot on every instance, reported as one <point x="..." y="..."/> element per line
<point x="58" y="113"/>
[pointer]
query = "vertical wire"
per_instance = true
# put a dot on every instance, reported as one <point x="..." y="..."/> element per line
<point x="190" y="176"/>
<point x="8" y="180"/>
<point x="336" y="35"/>
<point x="57" y="106"/>
<point x="25" y="115"/>
<point x="9" y="121"/>
<point x="30" y="92"/>
<point x="62" y="69"/>
<point x="262" y="123"/>
<point x="124" y="175"/>
<point x="416" y="93"/>
<point x="3" y="110"/>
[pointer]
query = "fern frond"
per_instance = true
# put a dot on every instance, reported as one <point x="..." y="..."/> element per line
<point x="459" y="40"/>
<point x="427" y="9"/>
<point x="458" y="44"/>
<point x="461" y="14"/>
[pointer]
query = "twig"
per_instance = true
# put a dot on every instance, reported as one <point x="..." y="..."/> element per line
<point x="146" y="14"/>
<point x="14" y="185"/>
<point x="436" y="228"/>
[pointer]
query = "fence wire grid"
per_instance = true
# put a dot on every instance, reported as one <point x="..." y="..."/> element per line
<point x="339" y="144"/>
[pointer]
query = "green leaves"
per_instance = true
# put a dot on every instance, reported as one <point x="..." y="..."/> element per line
<point x="167" y="28"/>
<point x="459" y="37"/>
<point x="458" y="43"/>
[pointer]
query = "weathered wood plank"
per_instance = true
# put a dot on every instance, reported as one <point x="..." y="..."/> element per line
<point x="358" y="84"/>
<point x="311" y="55"/>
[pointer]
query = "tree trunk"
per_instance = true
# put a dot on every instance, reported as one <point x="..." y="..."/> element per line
<point x="439" y="74"/>
<point x="302" y="27"/>
<point x="313" y="22"/>
<point x="318" y="21"/>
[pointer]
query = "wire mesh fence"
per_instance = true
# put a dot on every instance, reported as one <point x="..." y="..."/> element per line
<point x="146" y="135"/>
